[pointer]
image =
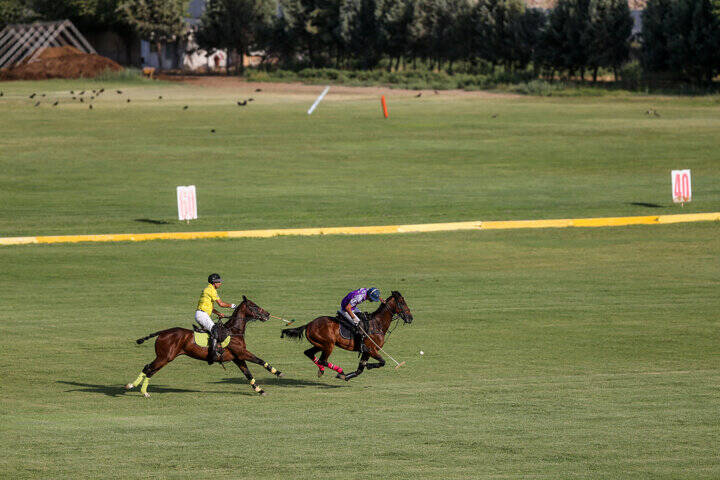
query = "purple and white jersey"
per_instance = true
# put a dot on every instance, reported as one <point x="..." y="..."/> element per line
<point x="354" y="298"/>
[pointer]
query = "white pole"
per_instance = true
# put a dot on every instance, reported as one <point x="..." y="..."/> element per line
<point x="319" y="99"/>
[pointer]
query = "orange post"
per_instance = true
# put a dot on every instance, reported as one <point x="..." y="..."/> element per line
<point x="384" y="105"/>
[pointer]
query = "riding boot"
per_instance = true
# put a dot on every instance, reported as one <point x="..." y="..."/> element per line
<point x="360" y="337"/>
<point x="212" y="345"/>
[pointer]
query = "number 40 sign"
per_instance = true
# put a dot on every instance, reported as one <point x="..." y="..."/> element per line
<point x="681" y="186"/>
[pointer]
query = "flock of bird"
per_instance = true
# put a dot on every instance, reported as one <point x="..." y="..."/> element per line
<point x="94" y="94"/>
<point x="88" y="96"/>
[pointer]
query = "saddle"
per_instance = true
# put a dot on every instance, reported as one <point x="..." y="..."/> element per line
<point x="347" y="330"/>
<point x="202" y="337"/>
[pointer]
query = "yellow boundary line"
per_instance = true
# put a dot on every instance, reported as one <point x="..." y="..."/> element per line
<point x="372" y="230"/>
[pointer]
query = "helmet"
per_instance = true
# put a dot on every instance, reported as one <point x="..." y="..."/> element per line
<point x="214" y="278"/>
<point x="373" y="294"/>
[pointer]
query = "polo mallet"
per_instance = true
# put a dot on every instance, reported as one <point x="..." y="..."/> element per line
<point x="289" y="322"/>
<point x="380" y="348"/>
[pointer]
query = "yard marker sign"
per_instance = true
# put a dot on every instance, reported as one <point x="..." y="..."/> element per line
<point x="187" y="203"/>
<point x="681" y="186"/>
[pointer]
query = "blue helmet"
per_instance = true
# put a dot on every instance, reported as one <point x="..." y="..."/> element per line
<point x="373" y="294"/>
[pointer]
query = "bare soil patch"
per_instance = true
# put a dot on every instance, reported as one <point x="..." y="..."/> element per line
<point x="337" y="91"/>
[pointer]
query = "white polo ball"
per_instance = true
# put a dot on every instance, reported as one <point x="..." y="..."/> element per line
<point x="422" y="353"/>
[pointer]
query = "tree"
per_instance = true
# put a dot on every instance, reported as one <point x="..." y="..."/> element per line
<point x="15" y="11"/>
<point x="397" y="19"/>
<point x="360" y="32"/>
<point x="610" y="31"/>
<point x="567" y="36"/>
<point x="157" y="21"/>
<point x="681" y="37"/>
<point x="235" y="25"/>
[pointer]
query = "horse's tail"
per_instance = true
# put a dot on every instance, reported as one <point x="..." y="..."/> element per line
<point x="141" y="340"/>
<point x="297" y="332"/>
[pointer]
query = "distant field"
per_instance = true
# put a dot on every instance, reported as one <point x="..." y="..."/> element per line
<point x="441" y="157"/>
<point x="554" y="354"/>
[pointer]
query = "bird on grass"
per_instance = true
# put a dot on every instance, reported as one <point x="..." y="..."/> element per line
<point x="652" y="112"/>
<point x="119" y="92"/>
<point x="242" y="104"/>
<point x="101" y="91"/>
<point x="185" y="107"/>
<point x="74" y="98"/>
<point x="1" y="94"/>
<point x="90" y="107"/>
<point x="250" y="99"/>
<point x="38" y="103"/>
<point x="418" y="95"/>
<point x="258" y="89"/>
<point x="128" y="100"/>
<point x="72" y="92"/>
<point x="82" y="100"/>
<point x="494" y="115"/>
<point x="42" y="95"/>
<point x="56" y="103"/>
<point x="82" y="93"/>
<point x="33" y="95"/>
<point x="160" y="97"/>
<point x="212" y="131"/>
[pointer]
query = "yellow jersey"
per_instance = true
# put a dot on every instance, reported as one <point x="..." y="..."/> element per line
<point x="208" y="296"/>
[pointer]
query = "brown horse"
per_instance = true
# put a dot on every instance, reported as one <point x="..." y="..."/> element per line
<point x="324" y="334"/>
<point x="179" y="341"/>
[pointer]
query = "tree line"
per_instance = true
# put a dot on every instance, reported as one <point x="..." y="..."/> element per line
<point x="679" y="38"/>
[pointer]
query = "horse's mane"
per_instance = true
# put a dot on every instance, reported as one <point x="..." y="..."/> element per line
<point x="394" y="294"/>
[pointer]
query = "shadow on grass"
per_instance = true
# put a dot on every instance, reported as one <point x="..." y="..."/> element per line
<point x="119" y="390"/>
<point x="150" y="220"/>
<point x="649" y="205"/>
<point x="283" y="382"/>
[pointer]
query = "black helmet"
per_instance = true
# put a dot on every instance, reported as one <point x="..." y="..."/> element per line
<point x="214" y="278"/>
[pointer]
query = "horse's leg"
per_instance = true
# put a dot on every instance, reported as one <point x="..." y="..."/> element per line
<point x="323" y="362"/>
<point x="380" y="361"/>
<point x="165" y="352"/>
<point x="361" y="367"/>
<point x="310" y="353"/>
<point x="148" y="371"/>
<point x="244" y="368"/>
<point x="264" y="364"/>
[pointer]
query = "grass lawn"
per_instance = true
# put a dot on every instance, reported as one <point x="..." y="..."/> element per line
<point x="114" y="169"/>
<point x="559" y="354"/>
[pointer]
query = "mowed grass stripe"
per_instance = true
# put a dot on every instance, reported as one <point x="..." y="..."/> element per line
<point x="372" y="230"/>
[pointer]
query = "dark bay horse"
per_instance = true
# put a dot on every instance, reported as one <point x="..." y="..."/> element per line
<point x="179" y="341"/>
<point x="324" y="334"/>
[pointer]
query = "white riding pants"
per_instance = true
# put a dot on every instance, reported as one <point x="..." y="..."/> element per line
<point x="353" y="319"/>
<point x="204" y="320"/>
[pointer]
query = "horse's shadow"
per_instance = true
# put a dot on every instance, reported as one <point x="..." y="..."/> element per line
<point x="280" y="382"/>
<point x="119" y="390"/>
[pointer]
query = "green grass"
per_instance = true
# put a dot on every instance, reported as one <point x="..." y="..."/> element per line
<point x="71" y="170"/>
<point x="549" y="354"/>
<point x="559" y="353"/>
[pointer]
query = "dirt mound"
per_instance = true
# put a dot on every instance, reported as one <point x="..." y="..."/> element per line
<point x="61" y="62"/>
<point x="56" y="52"/>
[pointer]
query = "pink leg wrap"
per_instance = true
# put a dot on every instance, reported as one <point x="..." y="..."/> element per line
<point x="315" y="361"/>
<point x="335" y="367"/>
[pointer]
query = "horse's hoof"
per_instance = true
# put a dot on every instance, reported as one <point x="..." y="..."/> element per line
<point x="129" y="386"/>
<point x="147" y="395"/>
<point x="280" y="374"/>
<point x="341" y="376"/>
<point x="262" y="394"/>
<point x="320" y="373"/>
